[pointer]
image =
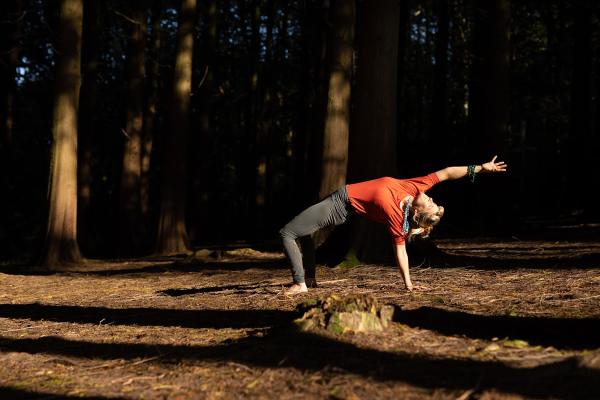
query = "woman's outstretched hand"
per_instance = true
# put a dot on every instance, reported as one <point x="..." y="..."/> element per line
<point x="493" y="166"/>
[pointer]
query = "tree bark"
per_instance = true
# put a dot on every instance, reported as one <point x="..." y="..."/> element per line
<point x="373" y="123"/>
<point x="334" y="162"/>
<point x="340" y="56"/>
<point x="439" y="125"/>
<point x="489" y="106"/>
<point x="150" y="111"/>
<point x="9" y="57"/>
<point x="61" y="241"/>
<point x="172" y="232"/>
<point x="130" y="219"/>
<point x="580" y="150"/>
<point x="88" y="106"/>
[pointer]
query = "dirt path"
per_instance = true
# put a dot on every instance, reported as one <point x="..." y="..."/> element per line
<point x="513" y="320"/>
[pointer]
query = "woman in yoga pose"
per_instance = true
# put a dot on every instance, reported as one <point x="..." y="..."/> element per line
<point x="401" y="204"/>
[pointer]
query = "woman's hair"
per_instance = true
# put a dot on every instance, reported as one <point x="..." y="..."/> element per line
<point x="422" y="222"/>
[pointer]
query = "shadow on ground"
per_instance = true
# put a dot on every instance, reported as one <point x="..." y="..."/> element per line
<point x="287" y="347"/>
<point x="563" y="333"/>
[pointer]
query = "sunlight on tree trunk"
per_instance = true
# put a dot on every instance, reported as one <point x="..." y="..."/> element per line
<point x="172" y="232"/>
<point x="334" y="159"/>
<point x="61" y="242"/>
<point x="337" y="119"/>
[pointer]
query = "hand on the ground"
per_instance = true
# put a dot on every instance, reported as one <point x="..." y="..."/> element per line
<point x="417" y="288"/>
<point x="493" y="166"/>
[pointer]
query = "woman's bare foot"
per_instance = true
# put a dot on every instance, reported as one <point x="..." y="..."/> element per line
<point x="296" y="288"/>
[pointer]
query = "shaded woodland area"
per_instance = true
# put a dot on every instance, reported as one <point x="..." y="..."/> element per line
<point x="151" y="127"/>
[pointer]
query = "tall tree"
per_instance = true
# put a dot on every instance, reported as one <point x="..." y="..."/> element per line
<point x="489" y="104"/>
<point x="151" y="108"/>
<point x="337" y="117"/>
<point x="403" y="35"/>
<point x="61" y="241"/>
<point x="9" y="58"/>
<point x="336" y="129"/>
<point x="172" y="232"/>
<point x="204" y="86"/>
<point x="373" y="123"/>
<point x="490" y="85"/>
<point x="88" y="106"/>
<point x="439" y="101"/>
<point x="580" y="151"/>
<point x="130" y="218"/>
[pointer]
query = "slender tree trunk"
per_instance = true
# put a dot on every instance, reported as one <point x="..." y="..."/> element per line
<point x="403" y="34"/>
<point x="337" y="119"/>
<point x="61" y="241"/>
<point x="489" y="105"/>
<point x="249" y="172"/>
<point x="334" y="157"/>
<point x="203" y="97"/>
<point x="305" y="164"/>
<point x="9" y="57"/>
<point x="172" y="231"/>
<point x="373" y="125"/>
<point x="263" y="132"/>
<point x="130" y="219"/>
<point x="490" y="100"/>
<point x="439" y="125"/>
<point x="88" y="108"/>
<point x="580" y="152"/>
<point x="150" y="111"/>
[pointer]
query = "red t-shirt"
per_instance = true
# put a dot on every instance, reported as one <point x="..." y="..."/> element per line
<point x="379" y="200"/>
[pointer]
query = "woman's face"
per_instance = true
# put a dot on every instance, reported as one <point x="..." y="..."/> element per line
<point x="424" y="203"/>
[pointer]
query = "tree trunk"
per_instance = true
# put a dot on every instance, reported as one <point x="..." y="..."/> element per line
<point x="87" y="120"/>
<point x="340" y="52"/>
<point x="439" y="126"/>
<point x="403" y="34"/>
<point x="489" y="105"/>
<point x="172" y="231"/>
<point x="204" y="80"/>
<point x="130" y="219"/>
<point x="150" y="111"/>
<point x="61" y="241"/>
<point x="373" y="125"/>
<point x="580" y="151"/>
<point x="9" y="58"/>
<point x="310" y="124"/>
<point x="337" y="119"/>
<point x="490" y="100"/>
<point x="264" y="127"/>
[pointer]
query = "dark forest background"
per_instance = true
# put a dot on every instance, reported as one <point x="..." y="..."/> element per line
<point x="286" y="100"/>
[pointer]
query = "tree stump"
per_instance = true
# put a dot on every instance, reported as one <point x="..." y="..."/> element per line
<point x="358" y="313"/>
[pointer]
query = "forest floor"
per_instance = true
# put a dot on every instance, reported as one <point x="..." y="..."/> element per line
<point x="509" y="319"/>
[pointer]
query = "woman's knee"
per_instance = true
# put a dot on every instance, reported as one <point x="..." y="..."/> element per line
<point x="287" y="233"/>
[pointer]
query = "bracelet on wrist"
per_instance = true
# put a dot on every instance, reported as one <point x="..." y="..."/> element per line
<point x="471" y="172"/>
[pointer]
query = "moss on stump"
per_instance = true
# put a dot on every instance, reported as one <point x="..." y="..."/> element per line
<point x="358" y="313"/>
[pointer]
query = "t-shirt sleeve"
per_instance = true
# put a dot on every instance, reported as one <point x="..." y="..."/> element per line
<point x="398" y="239"/>
<point x="396" y="232"/>
<point x="424" y="183"/>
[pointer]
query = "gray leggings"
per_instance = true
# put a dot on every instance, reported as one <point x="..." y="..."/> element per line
<point x="333" y="210"/>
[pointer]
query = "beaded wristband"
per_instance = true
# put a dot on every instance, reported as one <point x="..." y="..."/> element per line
<point x="471" y="172"/>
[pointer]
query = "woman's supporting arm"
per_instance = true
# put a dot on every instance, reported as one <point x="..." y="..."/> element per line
<point x="402" y="259"/>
